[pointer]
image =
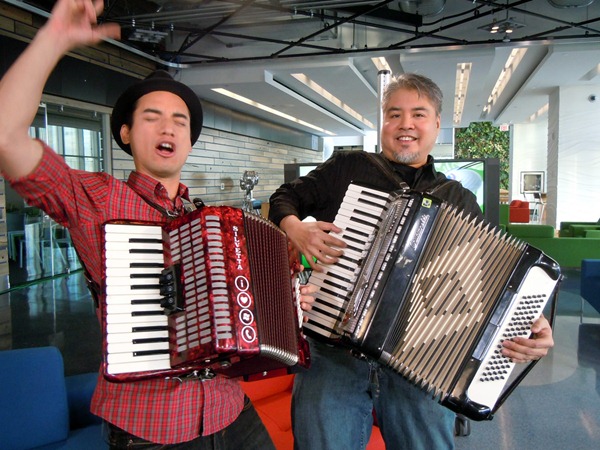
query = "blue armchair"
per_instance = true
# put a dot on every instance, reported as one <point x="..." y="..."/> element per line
<point x="590" y="282"/>
<point x="41" y="408"/>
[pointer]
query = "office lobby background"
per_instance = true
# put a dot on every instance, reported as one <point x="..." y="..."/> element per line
<point x="564" y="146"/>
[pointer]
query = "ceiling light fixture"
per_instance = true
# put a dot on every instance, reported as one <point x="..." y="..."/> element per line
<point x="505" y="26"/>
<point x="463" y="71"/>
<point x="302" y="78"/>
<point x="512" y="62"/>
<point x="539" y="113"/>
<point x="381" y="64"/>
<point x="268" y="109"/>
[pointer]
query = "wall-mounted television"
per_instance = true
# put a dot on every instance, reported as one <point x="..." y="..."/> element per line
<point x="532" y="182"/>
<point x="481" y="176"/>
<point x="293" y="171"/>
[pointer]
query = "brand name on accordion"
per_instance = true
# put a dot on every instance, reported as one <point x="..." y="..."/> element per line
<point x="423" y="221"/>
<point x="238" y="249"/>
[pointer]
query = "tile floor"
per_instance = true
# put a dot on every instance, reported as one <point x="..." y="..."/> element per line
<point x="557" y="407"/>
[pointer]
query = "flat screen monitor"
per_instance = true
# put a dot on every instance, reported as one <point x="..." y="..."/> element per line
<point x="293" y="171"/>
<point x="480" y="176"/>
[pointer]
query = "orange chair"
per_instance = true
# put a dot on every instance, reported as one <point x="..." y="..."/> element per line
<point x="272" y="398"/>
<point x="518" y="211"/>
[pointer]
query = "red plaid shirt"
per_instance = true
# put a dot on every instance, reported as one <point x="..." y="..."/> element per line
<point x="162" y="411"/>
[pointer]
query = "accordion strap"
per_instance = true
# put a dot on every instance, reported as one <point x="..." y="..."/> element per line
<point x="391" y="174"/>
<point x="387" y="170"/>
<point x="197" y="203"/>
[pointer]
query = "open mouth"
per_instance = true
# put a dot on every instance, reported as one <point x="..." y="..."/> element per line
<point x="165" y="147"/>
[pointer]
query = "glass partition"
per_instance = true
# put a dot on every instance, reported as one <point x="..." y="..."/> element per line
<point x="37" y="246"/>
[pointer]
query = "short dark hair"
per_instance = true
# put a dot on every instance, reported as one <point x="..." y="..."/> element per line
<point x="420" y="83"/>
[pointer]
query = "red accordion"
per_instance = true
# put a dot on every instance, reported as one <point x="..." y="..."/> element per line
<point x="214" y="291"/>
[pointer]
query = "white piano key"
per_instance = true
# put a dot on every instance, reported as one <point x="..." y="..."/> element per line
<point x="130" y="347"/>
<point x="345" y="222"/>
<point x="328" y="322"/>
<point x="150" y="280"/>
<point x="128" y="309"/>
<point x="129" y="357"/>
<point x="132" y="246"/>
<point x="357" y="215"/>
<point x="357" y="206"/>
<point x="142" y="366"/>
<point x="327" y="310"/>
<point x="123" y="289"/>
<point x="335" y="300"/>
<point x="372" y="194"/>
<point x="335" y="271"/>
<point x="115" y="229"/>
<point x="138" y="257"/>
<point x="137" y="320"/>
<point x="124" y="329"/>
<point x="127" y="271"/>
<point x="353" y="237"/>
<point x="128" y="299"/>
<point x="121" y="338"/>
<point x="128" y="263"/>
<point x="324" y="279"/>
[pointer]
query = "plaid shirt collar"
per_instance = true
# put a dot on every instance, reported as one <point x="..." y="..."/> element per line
<point x="154" y="193"/>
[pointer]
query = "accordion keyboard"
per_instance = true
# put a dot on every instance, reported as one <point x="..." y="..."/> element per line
<point x="136" y="327"/>
<point x="359" y="216"/>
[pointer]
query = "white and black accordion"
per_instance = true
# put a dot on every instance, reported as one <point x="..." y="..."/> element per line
<point x="431" y="293"/>
<point x="213" y="291"/>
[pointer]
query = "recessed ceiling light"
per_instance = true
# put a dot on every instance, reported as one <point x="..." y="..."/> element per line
<point x="268" y="109"/>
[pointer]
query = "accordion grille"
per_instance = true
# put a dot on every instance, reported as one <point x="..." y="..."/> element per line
<point x="271" y="282"/>
<point x="467" y="263"/>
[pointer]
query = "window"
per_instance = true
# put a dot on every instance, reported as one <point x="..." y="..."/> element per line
<point x="73" y="133"/>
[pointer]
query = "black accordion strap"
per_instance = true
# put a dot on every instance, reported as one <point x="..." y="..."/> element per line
<point x="444" y="183"/>
<point x="391" y="174"/>
<point x="388" y="170"/>
<point x="187" y="207"/>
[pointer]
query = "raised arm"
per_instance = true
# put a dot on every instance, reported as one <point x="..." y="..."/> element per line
<point x="72" y="24"/>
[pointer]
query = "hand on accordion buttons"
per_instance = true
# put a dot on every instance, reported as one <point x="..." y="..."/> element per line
<point x="306" y="297"/>
<point x="522" y="350"/>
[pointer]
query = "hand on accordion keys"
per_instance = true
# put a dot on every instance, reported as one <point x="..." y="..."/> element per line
<point x="314" y="240"/>
<point x="307" y="298"/>
<point x="521" y="350"/>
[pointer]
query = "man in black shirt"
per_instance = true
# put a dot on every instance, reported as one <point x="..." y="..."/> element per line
<point x="334" y="400"/>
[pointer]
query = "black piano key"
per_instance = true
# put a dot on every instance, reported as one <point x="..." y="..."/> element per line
<point x="150" y="340"/>
<point x="140" y="240"/>
<point x="150" y="352"/>
<point x="149" y="328"/>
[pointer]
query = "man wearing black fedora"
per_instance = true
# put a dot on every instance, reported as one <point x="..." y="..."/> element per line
<point x="157" y="120"/>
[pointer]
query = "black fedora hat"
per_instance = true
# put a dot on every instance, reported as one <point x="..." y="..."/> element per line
<point x="158" y="80"/>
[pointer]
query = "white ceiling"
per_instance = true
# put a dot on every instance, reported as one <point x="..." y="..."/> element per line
<point x="253" y="47"/>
